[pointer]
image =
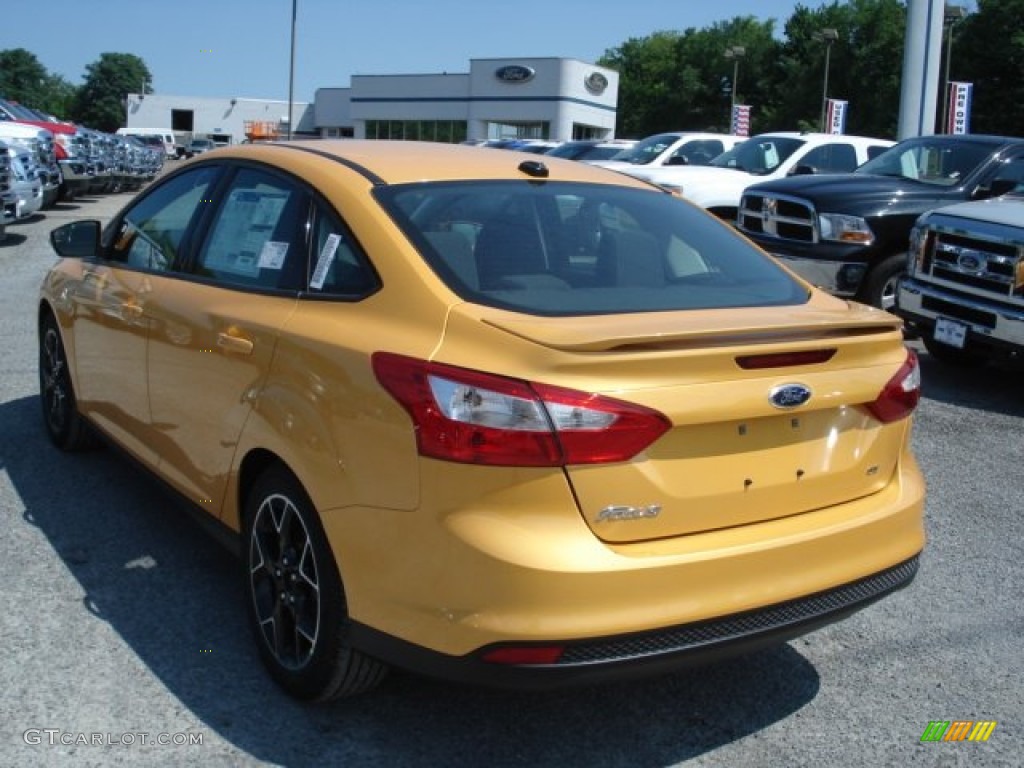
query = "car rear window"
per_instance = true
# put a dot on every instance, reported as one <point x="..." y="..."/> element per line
<point x="556" y="248"/>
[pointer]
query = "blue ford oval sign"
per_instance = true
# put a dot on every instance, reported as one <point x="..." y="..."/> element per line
<point x="514" y="73"/>
<point x="789" y="395"/>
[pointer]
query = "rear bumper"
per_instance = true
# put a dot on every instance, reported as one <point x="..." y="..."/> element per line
<point x="452" y="585"/>
<point x="659" y="652"/>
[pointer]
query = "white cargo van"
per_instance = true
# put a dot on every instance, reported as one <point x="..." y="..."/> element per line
<point x="165" y="134"/>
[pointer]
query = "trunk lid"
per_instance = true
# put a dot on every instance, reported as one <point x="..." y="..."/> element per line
<point x="731" y="457"/>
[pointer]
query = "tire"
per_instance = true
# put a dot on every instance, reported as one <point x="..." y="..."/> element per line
<point x="879" y="289"/>
<point x="296" y="602"/>
<point x="64" y="424"/>
<point x="961" y="358"/>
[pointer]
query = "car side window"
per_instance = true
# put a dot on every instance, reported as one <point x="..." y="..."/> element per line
<point x="338" y="265"/>
<point x="149" y="234"/>
<point x="832" y="158"/>
<point x="1012" y="169"/>
<point x="699" y="151"/>
<point x="257" y="237"/>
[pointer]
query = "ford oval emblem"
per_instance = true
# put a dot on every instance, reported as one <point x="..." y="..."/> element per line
<point x="596" y="82"/>
<point x="969" y="261"/>
<point x="514" y="73"/>
<point x="789" y="395"/>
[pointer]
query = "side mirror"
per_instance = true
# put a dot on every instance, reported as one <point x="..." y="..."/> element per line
<point x="77" y="240"/>
<point x="996" y="188"/>
<point x="677" y="160"/>
<point x="803" y="170"/>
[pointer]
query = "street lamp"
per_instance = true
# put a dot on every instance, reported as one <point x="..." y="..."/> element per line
<point x="291" y="73"/>
<point x="827" y="36"/>
<point x="953" y="14"/>
<point x="735" y="52"/>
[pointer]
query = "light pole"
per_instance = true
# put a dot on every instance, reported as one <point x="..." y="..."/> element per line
<point x="953" y="14"/>
<point x="734" y="52"/>
<point x="827" y="36"/>
<point x="291" y="73"/>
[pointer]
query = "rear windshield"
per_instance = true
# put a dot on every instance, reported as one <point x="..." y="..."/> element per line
<point x="556" y="248"/>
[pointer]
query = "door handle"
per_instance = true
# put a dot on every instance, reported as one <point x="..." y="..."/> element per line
<point x="131" y="311"/>
<point x="230" y="343"/>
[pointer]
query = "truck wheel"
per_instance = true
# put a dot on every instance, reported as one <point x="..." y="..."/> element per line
<point x="962" y="358"/>
<point x="879" y="289"/>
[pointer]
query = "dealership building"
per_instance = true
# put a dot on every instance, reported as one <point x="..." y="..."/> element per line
<point x="536" y="98"/>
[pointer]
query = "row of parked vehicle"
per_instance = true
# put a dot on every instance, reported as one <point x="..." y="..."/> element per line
<point x="43" y="160"/>
<point x="931" y="228"/>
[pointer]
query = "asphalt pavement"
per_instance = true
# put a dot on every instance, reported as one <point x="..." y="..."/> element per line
<point x="125" y="624"/>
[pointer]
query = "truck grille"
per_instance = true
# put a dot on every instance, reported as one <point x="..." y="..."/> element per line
<point x="989" y="266"/>
<point x="5" y="170"/>
<point x="778" y="216"/>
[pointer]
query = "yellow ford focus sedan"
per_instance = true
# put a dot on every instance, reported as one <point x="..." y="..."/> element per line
<point x="485" y="415"/>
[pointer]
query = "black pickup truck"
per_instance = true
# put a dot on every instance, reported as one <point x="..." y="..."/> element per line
<point x="849" y="233"/>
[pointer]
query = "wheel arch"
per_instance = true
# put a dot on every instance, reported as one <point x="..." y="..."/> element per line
<point x="253" y="464"/>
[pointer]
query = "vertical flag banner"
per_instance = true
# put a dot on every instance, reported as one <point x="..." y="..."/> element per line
<point x="959" y="108"/>
<point x="741" y="120"/>
<point x="835" y="116"/>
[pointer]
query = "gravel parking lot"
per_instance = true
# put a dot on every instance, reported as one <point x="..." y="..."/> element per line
<point x="126" y="627"/>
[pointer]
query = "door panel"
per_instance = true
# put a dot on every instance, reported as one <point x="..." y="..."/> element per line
<point x="209" y="352"/>
<point x="110" y="331"/>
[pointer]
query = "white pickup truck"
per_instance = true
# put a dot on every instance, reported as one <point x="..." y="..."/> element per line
<point x="719" y="185"/>
<point x="964" y="288"/>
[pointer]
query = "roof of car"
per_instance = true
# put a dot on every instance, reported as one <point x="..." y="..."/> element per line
<point x="394" y="162"/>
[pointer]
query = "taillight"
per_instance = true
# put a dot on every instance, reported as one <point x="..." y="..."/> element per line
<point x="899" y="397"/>
<point x="480" y="418"/>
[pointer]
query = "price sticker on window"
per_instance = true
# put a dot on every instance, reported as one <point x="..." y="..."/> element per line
<point x="324" y="261"/>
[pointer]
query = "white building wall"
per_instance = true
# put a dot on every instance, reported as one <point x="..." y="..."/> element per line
<point x="332" y="108"/>
<point x="226" y="115"/>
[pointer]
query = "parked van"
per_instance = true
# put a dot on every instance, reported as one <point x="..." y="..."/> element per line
<point x="167" y="136"/>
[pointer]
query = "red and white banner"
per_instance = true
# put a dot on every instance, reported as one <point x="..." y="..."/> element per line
<point x="959" y="120"/>
<point x="741" y="120"/>
<point x="835" y="116"/>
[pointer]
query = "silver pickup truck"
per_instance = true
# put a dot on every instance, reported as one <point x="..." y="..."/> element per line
<point x="964" y="288"/>
<point x="8" y="199"/>
<point x="40" y="144"/>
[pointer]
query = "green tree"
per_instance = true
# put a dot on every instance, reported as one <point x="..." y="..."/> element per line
<point x="22" y="77"/>
<point x="683" y="80"/>
<point x="58" y="96"/>
<point x="647" y="70"/>
<point x="672" y="81"/>
<point x="864" y="66"/>
<point x="100" y="102"/>
<point x="988" y="50"/>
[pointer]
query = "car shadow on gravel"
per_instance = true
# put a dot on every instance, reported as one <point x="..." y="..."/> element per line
<point x="995" y="387"/>
<point x="174" y="595"/>
<point x="12" y="239"/>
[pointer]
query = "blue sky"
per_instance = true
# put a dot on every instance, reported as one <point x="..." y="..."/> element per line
<point x="241" y="47"/>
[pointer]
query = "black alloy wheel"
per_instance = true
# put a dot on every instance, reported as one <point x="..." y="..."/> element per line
<point x="295" y="598"/>
<point x="64" y="424"/>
